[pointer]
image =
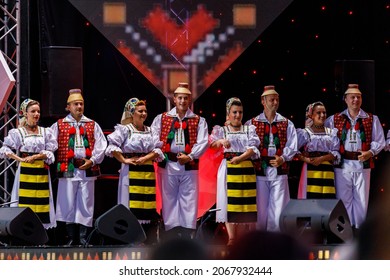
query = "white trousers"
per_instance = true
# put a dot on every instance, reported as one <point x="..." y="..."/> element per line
<point x="272" y="197"/>
<point x="353" y="188"/>
<point x="179" y="195"/>
<point x="75" y="201"/>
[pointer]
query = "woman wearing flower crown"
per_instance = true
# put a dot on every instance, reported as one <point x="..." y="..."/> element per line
<point x="320" y="146"/>
<point x="33" y="147"/>
<point x="134" y="146"/>
<point x="236" y="183"/>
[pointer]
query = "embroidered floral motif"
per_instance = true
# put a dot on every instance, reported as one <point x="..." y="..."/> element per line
<point x="71" y="144"/>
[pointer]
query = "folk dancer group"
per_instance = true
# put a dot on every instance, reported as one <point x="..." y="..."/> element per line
<point x="252" y="185"/>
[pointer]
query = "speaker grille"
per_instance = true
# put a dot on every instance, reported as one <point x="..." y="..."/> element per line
<point x="320" y="221"/>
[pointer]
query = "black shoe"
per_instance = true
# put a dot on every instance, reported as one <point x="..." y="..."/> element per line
<point x="71" y="233"/>
<point x="83" y="233"/>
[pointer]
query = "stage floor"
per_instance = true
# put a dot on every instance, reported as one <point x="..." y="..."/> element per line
<point x="91" y="253"/>
<point x="126" y="252"/>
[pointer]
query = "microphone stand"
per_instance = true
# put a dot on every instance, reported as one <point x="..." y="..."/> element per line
<point x="199" y="233"/>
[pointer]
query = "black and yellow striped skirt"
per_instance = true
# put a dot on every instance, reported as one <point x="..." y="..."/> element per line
<point x="142" y="191"/>
<point x="34" y="191"/>
<point x="320" y="181"/>
<point x="241" y="192"/>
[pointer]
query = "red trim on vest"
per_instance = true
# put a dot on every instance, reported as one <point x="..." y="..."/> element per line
<point x="340" y="121"/>
<point x="63" y="139"/>
<point x="166" y="126"/>
<point x="282" y="133"/>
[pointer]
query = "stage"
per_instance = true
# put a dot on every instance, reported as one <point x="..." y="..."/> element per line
<point x="128" y="252"/>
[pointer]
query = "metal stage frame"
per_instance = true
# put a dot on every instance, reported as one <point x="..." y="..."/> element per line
<point x="10" y="48"/>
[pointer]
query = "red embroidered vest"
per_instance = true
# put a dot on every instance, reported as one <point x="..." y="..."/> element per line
<point x="340" y="121"/>
<point x="282" y="134"/>
<point x="190" y="136"/>
<point x="63" y="148"/>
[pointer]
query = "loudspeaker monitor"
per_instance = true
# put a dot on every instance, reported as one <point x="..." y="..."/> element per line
<point x="62" y="70"/>
<point x="120" y="223"/>
<point x="319" y="221"/>
<point x="23" y="224"/>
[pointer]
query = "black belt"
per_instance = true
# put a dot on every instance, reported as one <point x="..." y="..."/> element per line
<point x="314" y="154"/>
<point x="130" y="155"/>
<point x="171" y="156"/>
<point x="25" y="154"/>
<point x="351" y="155"/>
<point x="267" y="159"/>
<point x="230" y="155"/>
<point x="77" y="162"/>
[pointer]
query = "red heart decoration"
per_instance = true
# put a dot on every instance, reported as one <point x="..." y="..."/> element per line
<point x="179" y="39"/>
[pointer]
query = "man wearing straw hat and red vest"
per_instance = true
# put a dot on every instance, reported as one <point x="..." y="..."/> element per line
<point x="361" y="138"/>
<point x="278" y="145"/>
<point x="81" y="147"/>
<point x="184" y="138"/>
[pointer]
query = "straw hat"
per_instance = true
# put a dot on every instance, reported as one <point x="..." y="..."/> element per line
<point x="353" y="88"/>
<point x="182" y="88"/>
<point x="75" y="95"/>
<point x="268" y="90"/>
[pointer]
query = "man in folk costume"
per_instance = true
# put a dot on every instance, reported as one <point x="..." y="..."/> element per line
<point x="81" y="147"/>
<point x="361" y="138"/>
<point x="278" y="145"/>
<point x="184" y="138"/>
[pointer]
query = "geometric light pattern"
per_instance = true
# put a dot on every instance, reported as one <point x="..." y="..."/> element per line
<point x="170" y="41"/>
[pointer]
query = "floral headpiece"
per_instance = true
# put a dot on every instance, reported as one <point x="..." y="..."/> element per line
<point x="309" y="108"/>
<point x="309" y="112"/>
<point x="129" y="109"/>
<point x="229" y="103"/>
<point x="23" y="110"/>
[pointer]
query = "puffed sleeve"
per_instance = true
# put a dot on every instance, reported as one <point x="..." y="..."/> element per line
<point x="303" y="137"/>
<point x="253" y="141"/>
<point x="157" y="145"/>
<point x="335" y="146"/>
<point x="100" y="145"/>
<point x="378" y="141"/>
<point x="116" y="140"/>
<point x="51" y="145"/>
<point x="216" y="134"/>
<point x="12" y="142"/>
<point x="291" y="147"/>
<point x="202" y="143"/>
<point x="387" y="147"/>
<point x="156" y="130"/>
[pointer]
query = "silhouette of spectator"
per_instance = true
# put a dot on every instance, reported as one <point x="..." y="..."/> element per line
<point x="179" y="249"/>
<point x="265" y="245"/>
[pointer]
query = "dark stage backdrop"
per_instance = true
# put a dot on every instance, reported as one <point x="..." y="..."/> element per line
<point x="298" y="53"/>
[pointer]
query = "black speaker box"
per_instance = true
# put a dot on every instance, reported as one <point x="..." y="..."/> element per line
<point x="119" y="223"/>
<point x="22" y="224"/>
<point x="318" y="221"/>
<point x="61" y="70"/>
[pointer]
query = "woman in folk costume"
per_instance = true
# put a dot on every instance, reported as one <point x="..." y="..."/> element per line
<point x="320" y="146"/>
<point x="134" y="146"/>
<point x="36" y="145"/>
<point x="236" y="183"/>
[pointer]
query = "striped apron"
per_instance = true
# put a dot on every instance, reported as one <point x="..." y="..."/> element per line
<point x="142" y="191"/>
<point x="241" y="192"/>
<point x="34" y="189"/>
<point x="320" y="181"/>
